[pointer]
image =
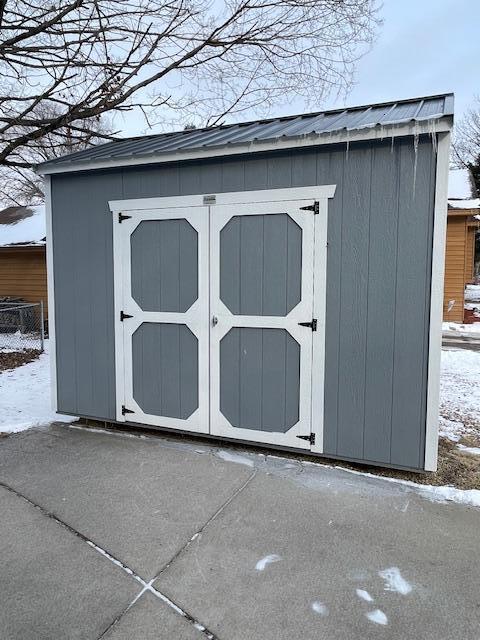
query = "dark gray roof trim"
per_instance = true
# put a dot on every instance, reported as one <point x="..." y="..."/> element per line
<point x="155" y="148"/>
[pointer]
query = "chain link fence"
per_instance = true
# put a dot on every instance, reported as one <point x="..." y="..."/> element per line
<point x="21" y="327"/>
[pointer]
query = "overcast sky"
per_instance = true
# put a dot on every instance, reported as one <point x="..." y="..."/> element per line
<point x="424" y="47"/>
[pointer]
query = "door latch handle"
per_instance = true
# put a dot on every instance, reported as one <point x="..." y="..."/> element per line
<point x="214" y="321"/>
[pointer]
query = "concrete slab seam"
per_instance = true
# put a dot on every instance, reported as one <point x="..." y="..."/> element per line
<point x="149" y="586"/>
<point x="198" y="533"/>
<point x="146" y="586"/>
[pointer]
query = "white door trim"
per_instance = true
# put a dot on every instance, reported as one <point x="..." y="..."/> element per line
<point x="319" y="312"/>
<point x="50" y="302"/>
<point x="226" y="320"/>
<point x="196" y="318"/>
<point x="232" y="197"/>
<point x="321" y="193"/>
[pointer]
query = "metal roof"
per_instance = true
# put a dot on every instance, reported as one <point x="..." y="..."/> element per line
<point x="316" y="127"/>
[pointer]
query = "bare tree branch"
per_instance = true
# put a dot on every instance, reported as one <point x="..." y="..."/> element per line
<point x="19" y="184"/>
<point x="65" y="64"/>
<point x="466" y="144"/>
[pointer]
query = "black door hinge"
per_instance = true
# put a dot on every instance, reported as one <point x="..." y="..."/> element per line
<point x="124" y="315"/>
<point x="312" y="324"/>
<point x="315" y="207"/>
<point x="125" y="410"/>
<point x="310" y="438"/>
<point x="122" y="217"/>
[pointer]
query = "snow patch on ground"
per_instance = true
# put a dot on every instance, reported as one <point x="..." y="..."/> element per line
<point x="261" y="564"/>
<point x="364" y="595"/>
<point x="459" y="393"/>
<point x="451" y="429"/>
<point x="443" y="494"/>
<point x="468" y="497"/>
<point x="461" y="329"/>
<point x="319" y="608"/>
<point x="472" y="292"/>
<point x="377" y="616"/>
<point x="25" y="393"/>
<point x="394" y="581"/>
<point x="230" y="456"/>
<point x="474" y="451"/>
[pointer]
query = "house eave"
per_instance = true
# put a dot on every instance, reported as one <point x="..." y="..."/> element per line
<point x="22" y="247"/>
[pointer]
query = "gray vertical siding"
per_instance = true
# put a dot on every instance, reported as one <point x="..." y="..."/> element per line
<point x="164" y="265"/>
<point x="83" y="271"/>
<point x="165" y="369"/>
<point x="261" y="265"/>
<point x="260" y="378"/>
<point x="378" y="282"/>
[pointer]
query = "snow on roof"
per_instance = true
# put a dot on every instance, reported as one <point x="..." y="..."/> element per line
<point x="459" y="184"/>
<point x="20" y="226"/>
<point x="472" y="203"/>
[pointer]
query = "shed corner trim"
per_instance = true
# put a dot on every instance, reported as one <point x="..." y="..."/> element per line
<point x="436" y="301"/>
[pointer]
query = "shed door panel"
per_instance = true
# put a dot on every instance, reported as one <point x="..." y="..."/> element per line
<point x="165" y="291"/>
<point x="261" y="289"/>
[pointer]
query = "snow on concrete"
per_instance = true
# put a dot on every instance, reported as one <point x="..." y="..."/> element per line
<point x="320" y="608"/>
<point x="394" y="581"/>
<point x="26" y="396"/>
<point x="148" y="586"/>
<point x="270" y="464"/>
<point x="463" y="329"/>
<point x="377" y="616"/>
<point x="230" y="456"/>
<point x="263" y="562"/>
<point x="467" y="497"/>
<point x="364" y="595"/>
<point x="442" y="494"/>
<point x="28" y="230"/>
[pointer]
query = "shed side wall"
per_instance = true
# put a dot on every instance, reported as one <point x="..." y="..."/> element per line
<point x="378" y="282"/>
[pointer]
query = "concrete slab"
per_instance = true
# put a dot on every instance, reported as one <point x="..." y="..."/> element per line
<point x="53" y="585"/>
<point x="333" y="533"/>
<point x="140" y="499"/>
<point x="329" y="533"/>
<point x="151" y="619"/>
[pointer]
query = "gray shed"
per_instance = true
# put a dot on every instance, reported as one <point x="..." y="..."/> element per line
<point x="277" y="282"/>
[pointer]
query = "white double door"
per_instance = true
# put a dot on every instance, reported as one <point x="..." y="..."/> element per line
<point x="214" y="310"/>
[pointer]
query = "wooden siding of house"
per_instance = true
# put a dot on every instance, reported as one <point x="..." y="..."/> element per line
<point x="455" y="268"/>
<point x="470" y="253"/>
<point x="23" y="274"/>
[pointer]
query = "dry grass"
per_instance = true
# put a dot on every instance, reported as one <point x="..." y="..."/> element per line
<point x="456" y="468"/>
<point x="470" y="439"/>
<point x="17" y="358"/>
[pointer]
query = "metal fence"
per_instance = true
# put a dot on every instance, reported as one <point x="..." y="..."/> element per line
<point x="21" y="327"/>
